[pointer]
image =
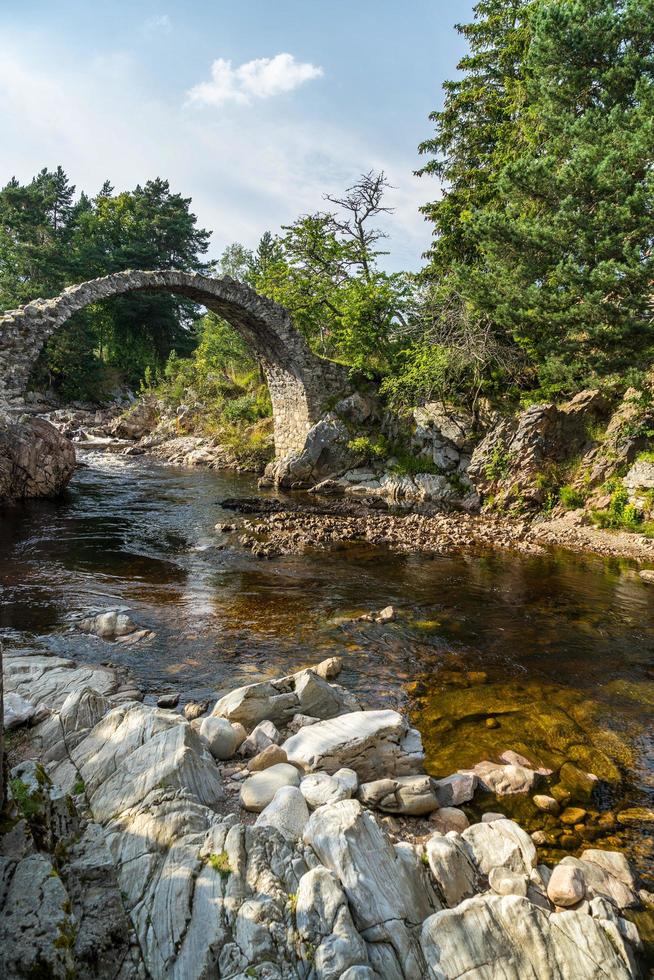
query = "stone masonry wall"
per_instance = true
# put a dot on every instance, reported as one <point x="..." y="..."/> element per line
<point x="300" y="382"/>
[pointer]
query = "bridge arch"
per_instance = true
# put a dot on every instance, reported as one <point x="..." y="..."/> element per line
<point x="299" y="381"/>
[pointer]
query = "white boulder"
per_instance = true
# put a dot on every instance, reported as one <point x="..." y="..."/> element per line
<point x="222" y="738"/>
<point x="319" y="788"/>
<point x="287" y="812"/>
<point x="501" y="843"/>
<point x="259" y="789"/>
<point x="373" y="743"/>
<point x="492" y="936"/>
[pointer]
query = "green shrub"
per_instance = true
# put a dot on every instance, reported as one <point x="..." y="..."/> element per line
<point x="570" y="497"/>
<point x="220" y="863"/>
<point x="500" y="463"/>
<point x="620" y="515"/>
<point x="370" y="451"/>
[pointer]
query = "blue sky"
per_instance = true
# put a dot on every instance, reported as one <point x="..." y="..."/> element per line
<point x="253" y="108"/>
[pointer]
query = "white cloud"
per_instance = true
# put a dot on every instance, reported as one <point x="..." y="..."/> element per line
<point x="246" y="174"/>
<point x="158" y="24"/>
<point x="257" y="79"/>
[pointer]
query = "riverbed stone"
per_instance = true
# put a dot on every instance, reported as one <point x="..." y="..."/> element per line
<point x="222" y="738"/>
<point x="329" y="668"/>
<point x="109" y="625"/>
<point x="195" y="709"/>
<point x="259" y="789"/>
<point x="348" y="779"/>
<point x="261" y="737"/>
<point x="408" y="795"/>
<point x="505" y="780"/>
<point x="168" y="700"/>
<point x="299" y="721"/>
<point x="272" y="755"/>
<point x="287" y="812"/>
<point x="477" y="939"/>
<point x="448" y="818"/>
<point x="501" y="843"/>
<point x="373" y="743"/>
<point x="456" y="789"/>
<point x="546" y="803"/>
<point x="319" y="788"/>
<point x="566" y="886"/>
<point x="279" y="700"/>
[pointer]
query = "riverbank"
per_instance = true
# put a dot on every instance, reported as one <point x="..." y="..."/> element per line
<point x="294" y="526"/>
<point x="425" y="524"/>
<point x="132" y="844"/>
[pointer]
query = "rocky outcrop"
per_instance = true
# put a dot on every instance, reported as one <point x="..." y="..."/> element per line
<point x="138" y="421"/>
<point x="491" y="936"/>
<point x="123" y="862"/>
<point x="514" y="459"/>
<point x="35" y="459"/>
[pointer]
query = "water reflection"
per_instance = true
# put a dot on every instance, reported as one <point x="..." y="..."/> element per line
<point x="133" y="533"/>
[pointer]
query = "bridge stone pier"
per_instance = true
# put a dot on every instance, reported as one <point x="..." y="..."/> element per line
<point x="300" y="382"/>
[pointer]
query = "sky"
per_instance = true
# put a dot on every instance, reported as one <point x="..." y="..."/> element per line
<point x="253" y="108"/>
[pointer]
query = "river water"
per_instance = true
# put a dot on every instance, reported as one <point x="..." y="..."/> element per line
<point x="556" y="650"/>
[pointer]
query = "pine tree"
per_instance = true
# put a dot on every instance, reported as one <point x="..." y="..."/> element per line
<point x="474" y="127"/>
<point x="566" y="248"/>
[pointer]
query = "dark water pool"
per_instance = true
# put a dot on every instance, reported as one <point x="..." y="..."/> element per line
<point x="565" y="643"/>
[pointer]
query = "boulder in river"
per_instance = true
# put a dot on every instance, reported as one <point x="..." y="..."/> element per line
<point x="304" y="693"/>
<point x="35" y="459"/>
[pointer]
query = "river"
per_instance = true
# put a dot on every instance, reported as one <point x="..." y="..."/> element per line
<point x="555" y="650"/>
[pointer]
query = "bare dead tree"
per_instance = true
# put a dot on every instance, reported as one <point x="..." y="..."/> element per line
<point x="361" y="203"/>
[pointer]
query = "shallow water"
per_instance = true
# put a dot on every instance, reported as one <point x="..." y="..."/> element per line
<point x="575" y="633"/>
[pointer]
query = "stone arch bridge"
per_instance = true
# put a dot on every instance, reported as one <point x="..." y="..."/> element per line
<point x="300" y="382"/>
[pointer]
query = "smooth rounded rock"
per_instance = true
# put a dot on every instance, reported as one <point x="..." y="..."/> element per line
<point x="348" y="778"/>
<point x="287" y="812"/>
<point x="546" y="803"/>
<point x="259" y="789"/>
<point x="221" y="736"/>
<point x="566" y="886"/>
